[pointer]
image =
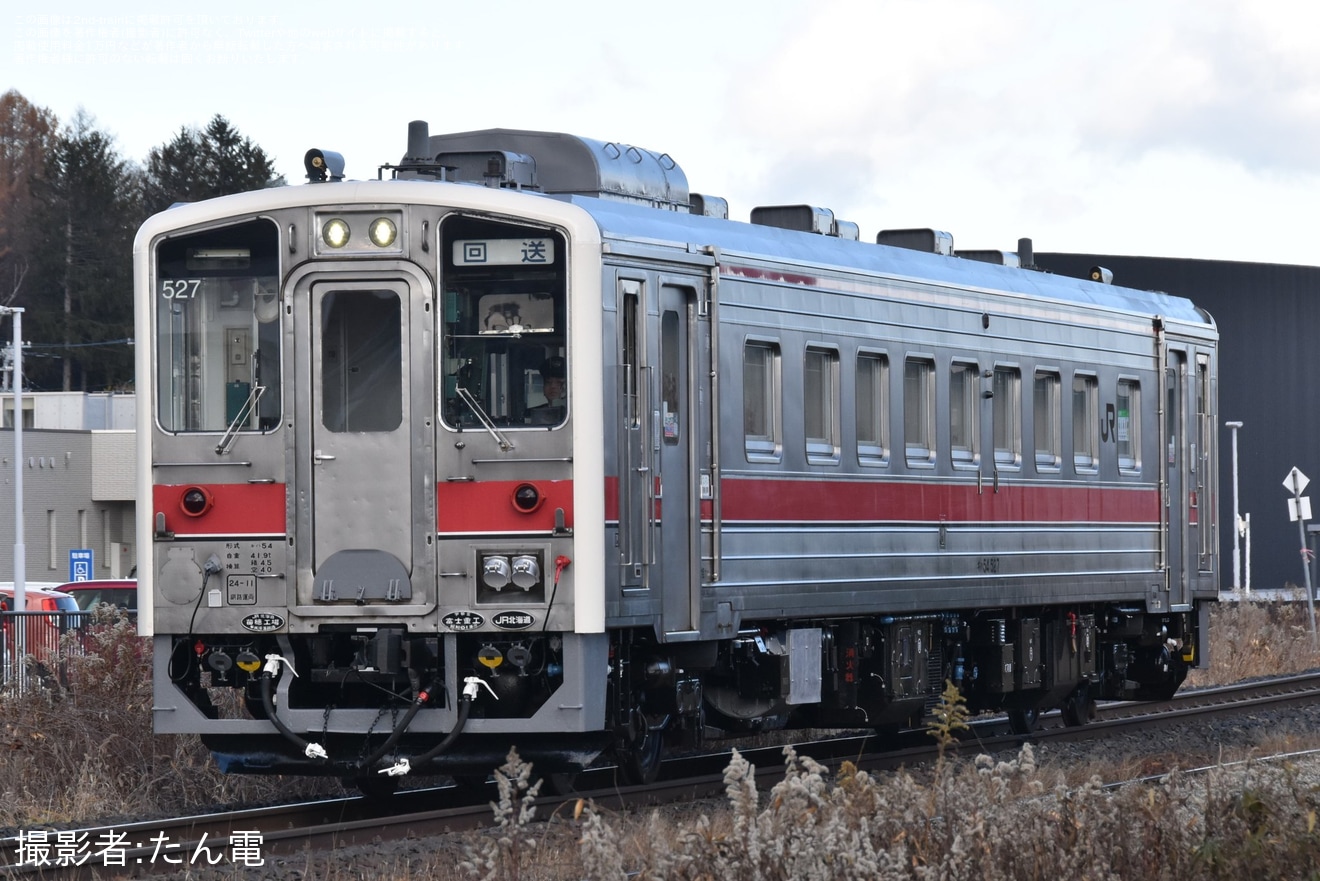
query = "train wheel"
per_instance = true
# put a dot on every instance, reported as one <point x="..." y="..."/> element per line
<point x="1079" y="708"/>
<point x="1023" y="720"/>
<point x="639" y="761"/>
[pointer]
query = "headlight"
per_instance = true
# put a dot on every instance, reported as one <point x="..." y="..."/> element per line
<point x="382" y="232"/>
<point x="335" y="233"/>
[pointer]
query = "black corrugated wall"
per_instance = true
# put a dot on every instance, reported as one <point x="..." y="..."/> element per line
<point x="1269" y="379"/>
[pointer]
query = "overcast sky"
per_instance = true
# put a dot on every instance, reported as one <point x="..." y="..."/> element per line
<point x="1184" y="128"/>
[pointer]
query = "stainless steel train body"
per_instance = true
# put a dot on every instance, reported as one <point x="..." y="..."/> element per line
<point x="796" y="479"/>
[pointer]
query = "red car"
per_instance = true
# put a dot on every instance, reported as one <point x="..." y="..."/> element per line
<point x="117" y="592"/>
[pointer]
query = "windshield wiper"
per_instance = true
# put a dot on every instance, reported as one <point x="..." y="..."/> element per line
<point x="486" y="422"/>
<point x="243" y="414"/>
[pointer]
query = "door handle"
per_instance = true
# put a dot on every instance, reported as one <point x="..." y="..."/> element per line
<point x="318" y="457"/>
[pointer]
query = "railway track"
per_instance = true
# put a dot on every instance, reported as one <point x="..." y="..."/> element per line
<point x="163" y="846"/>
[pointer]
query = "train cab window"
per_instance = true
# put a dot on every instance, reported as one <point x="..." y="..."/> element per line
<point x="505" y="325"/>
<point x="872" y="408"/>
<point x="919" y="411"/>
<point x="1085" y="423"/>
<point x="820" y="405"/>
<point x="1127" y="425"/>
<point x="761" y="416"/>
<point x="1047" y="420"/>
<point x="964" y="413"/>
<point x="1007" y="417"/>
<point x="218" y="331"/>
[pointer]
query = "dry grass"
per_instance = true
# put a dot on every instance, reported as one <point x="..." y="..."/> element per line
<point x="83" y="753"/>
<point x="86" y="751"/>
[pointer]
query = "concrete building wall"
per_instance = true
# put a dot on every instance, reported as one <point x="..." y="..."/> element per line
<point x="78" y="492"/>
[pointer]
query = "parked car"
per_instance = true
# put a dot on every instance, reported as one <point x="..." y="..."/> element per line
<point x="117" y="592"/>
<point x="41" y="632"/>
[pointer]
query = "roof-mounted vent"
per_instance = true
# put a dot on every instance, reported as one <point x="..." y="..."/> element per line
<point x="1001" y="258"/>
<point x="709" y="206"/>
<point x="562" y="164"/>
<point x="804" y="218"/>
<point x="934" y="241"/>
<point x="494" y="168"/>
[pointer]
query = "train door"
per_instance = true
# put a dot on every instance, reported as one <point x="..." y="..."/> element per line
<point x="636" y="539"/>
<point x="366" y="515"/>
<point x="678" y="438"/>
<point x="1179" y="486"/>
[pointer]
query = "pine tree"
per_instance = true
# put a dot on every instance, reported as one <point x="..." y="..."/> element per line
<point x="87" y="207"/>
<point x="196" y="165"/>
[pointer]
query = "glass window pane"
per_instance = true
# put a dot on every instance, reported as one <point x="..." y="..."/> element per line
<point x="964" y="421"/>
<point x="361" y="361"/>
<point x="919" y="409"/>
<point x="872" y="408"/>
<point x="1127" y="425"/>
<point x="1047" y="420"/>
<point x="1007" y="416"/>
<point x="1086" y="423"/>
<point x="218" y="330"/>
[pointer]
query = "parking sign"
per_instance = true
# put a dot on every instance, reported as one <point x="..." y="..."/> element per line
<point x="80" y="565"/>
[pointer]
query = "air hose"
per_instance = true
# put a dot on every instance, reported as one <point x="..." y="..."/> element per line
<point x="269" y="674"/>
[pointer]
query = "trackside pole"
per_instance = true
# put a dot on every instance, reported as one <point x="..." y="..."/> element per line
<point x="1299" y="509"/>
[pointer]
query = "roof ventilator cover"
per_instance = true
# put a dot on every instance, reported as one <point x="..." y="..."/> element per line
<point x="805" y="218"/>
<point x="933" y="241"/>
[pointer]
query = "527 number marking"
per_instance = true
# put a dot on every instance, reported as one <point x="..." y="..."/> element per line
<point x="987" y="565"/>
<point x="180" y="288"/>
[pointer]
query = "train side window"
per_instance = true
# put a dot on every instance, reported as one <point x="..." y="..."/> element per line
<point x="919" y="411"/>
<point x="872" y="408"/>
<point x="1085" y="423"/>
<point x="1046" y="407"/>
<point x="820" y="405"/>
<point x="964" y="414"/>
<point x="761" y="412"/>
<point x="1007" y="417"/>
<point x="1127" y="426"/>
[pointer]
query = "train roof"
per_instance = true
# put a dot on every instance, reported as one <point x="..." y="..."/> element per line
<point x="621" y="220"/>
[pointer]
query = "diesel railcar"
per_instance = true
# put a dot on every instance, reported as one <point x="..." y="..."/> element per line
<point x="523" y="443"/>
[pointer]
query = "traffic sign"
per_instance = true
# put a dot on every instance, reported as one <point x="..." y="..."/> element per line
<point x="1296" y="481"/>
<point x="80" y="565"/>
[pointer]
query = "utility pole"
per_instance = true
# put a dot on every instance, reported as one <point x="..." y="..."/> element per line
<point x="20" y="549"/>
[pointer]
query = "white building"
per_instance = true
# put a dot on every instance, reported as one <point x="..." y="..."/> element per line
<point x="78" y="483"/>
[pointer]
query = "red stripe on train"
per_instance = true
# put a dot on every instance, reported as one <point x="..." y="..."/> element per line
<point x="234" y="509"/>
<point x="488" y="506"/>
<point x="758" y="499"/>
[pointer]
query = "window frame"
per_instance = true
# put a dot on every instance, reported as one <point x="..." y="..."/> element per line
<point x="823" y="449"/>
<point x="1047" y="419"/>
<point x="765" y="447"/>
<point x="1085" y="422"/>
<point x="1006" y="414"/>
<point x="919" y="437"/>
<point x="964" y="410"/>
<point x="1130" y="464"/>
<point x="873" y="448"/>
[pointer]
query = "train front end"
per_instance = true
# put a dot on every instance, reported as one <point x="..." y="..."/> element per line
<point x="370" y="439"/>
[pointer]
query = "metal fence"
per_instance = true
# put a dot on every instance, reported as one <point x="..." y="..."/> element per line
<point x="36" y="647"/>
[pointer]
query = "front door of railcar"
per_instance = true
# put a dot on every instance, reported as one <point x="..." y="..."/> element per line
<point x="361" y="451"/>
